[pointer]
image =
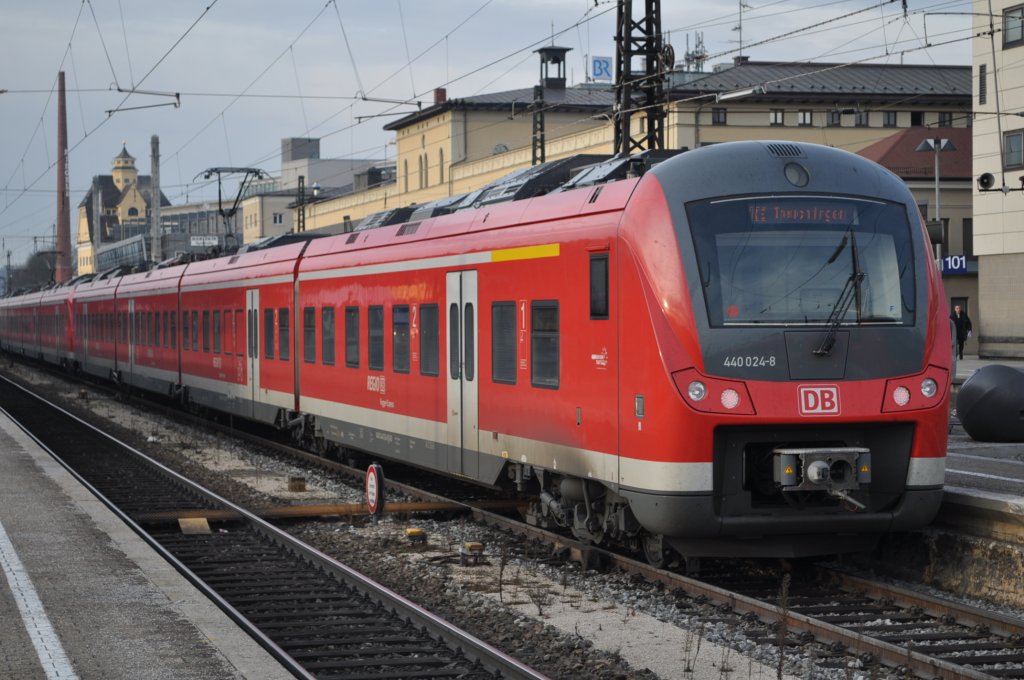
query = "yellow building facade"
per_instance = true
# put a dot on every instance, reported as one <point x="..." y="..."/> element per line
<point x="460" y="145"/>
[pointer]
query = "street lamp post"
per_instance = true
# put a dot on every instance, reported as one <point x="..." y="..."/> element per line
<point x="937" y="144"/>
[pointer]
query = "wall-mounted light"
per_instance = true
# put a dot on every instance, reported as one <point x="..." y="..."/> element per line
<point x="737" y="94"/>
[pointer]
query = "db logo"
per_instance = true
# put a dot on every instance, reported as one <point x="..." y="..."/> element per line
<point x="818" y="400"/>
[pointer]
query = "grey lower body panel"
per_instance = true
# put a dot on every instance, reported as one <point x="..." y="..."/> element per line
<point x="414" y="451"/>
<point x="692" y="522"/>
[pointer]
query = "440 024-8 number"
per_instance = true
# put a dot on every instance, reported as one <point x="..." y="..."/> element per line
<point x="749" y="361"/>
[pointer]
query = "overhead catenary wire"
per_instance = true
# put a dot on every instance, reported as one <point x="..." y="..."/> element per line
<point x="312" y="96"/>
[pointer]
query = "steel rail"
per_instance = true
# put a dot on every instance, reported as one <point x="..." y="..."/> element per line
<point x="490" y="657"/>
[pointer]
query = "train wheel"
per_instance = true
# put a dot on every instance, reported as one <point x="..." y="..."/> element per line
<point x="654" y="550"/>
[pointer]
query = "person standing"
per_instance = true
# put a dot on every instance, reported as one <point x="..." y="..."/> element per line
<point x="962" y="322"/>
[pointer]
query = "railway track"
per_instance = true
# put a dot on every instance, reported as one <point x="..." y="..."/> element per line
<point x="876" y="623"/>
<point x="319" y="618"/>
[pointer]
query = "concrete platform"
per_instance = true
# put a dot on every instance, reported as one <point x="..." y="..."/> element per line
<point x="81" y="595"/>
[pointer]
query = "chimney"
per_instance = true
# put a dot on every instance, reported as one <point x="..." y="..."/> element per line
<point x="154" y="185"/>
<point x="740" y="60"/>
<point x="440" y="95"/>
<point x="62" y="266"/>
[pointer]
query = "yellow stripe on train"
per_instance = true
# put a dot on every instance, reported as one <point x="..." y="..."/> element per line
<point x="525" y="253"/>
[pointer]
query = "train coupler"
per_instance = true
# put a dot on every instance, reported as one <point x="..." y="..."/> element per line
<point x="831" y="468"/>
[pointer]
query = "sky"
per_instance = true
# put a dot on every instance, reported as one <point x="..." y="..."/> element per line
<point x="249" y="73"/>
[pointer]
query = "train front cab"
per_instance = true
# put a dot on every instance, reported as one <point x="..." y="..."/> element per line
<point x="796" y="344"/>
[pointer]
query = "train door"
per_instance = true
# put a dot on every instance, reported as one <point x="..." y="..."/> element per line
<point x="84" y="336"/>
<point x="133" y="338"/>
<point x="463" y="413"/>
<point x="252" y="314"/>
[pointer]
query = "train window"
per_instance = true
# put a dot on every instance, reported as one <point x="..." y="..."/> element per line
<point x="173" y="316"/>
<point x="185" y="332"/>
<point x="429" y="344"/>
<point x="400" y="338"/>
<point x="327" y="335"/>
<point x="268" y="333"/>
<point x="216" y="331"/>
<point x="283" y="327"/>
<point x="352" y="337"/>
<point x="309" y="335"/>
<point x="803" y="261"/>
<point x="453" y="334"/>
<point x="156" y="329"/>
<point x="206" y="330"/>
<point x="239" y="351"/>
<point x="375" y="326"/>
<point x="470" y="352"/>
<point x="503" y="342"/>
<point x="195" y="330"/>
<point x="149" y="329"/>
<point x="599" y="286"/>
<point x="544" y="343"/>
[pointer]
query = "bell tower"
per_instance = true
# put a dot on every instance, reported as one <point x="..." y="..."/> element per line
<point x="124" y="172"/>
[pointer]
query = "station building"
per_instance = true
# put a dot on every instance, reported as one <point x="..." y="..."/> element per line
<point x="998" y="47"/>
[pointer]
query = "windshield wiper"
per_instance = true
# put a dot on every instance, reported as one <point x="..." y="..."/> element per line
<point x="847" y="296"/>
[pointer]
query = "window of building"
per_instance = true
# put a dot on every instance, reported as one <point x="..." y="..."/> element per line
<point x="133" y="212"/>
<point x="834" y="118"/>
<point x="1013" y="145"/>
<point x="718" y="116"/>
<point x="375" y="336"/>
<point x="278" y="218"/>
<point x="968" y="245"/>
<point x="544" y="343"/>
<point x="776" y="117"/>
<point x="327" y="335"/>
<point x="440" y="165"/>
<point x="268" y="333"/>
<point x="309" y="335"/>
<point x="1013" y="26"/>
<point x="888" y="118"/>
<point x="599" y="286"/>
<point x="916" y="119"/>
<point x="352" y="337"/>
<point x="804" y="117"/>
<point x="945" y="119"/>
<point x="283" y="334"/>
<point x="503" y="342"/>
<point x="861" y="119"/>
<point x="430" y="355"/>
<point x="400" y="338"/>
<point x="982" y="83"/>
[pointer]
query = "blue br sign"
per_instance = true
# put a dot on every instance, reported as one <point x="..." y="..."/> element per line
<point x="954" y="264"/>
<point x="601" y="68"/>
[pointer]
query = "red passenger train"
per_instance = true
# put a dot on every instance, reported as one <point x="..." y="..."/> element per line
<point x="743" y="351"/>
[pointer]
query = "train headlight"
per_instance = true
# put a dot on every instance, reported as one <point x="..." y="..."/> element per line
<point x="901" y="395"/>
<point x="929" y="387"/>
<point x="730" y="398"/>
<point x="697" y="390"/>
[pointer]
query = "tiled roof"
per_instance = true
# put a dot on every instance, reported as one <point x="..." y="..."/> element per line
<point x="803" y="81"/>
<point x="898" y="153"/>
<point x="555" y="99"/>
<point x="847" y="80"/>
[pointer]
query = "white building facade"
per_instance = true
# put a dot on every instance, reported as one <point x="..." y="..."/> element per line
<point x="998" y="73"/>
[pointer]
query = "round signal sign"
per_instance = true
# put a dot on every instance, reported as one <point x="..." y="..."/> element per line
<point x="375" y="489"/>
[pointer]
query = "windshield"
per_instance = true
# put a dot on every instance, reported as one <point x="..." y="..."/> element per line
<point x="804" y="260"/>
